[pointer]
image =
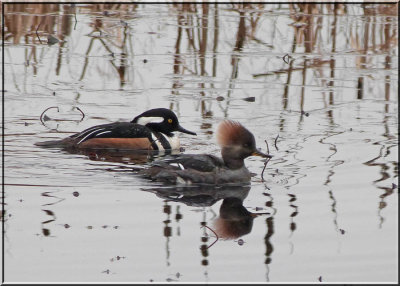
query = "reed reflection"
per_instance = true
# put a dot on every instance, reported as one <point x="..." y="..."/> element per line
<point x="31" y="23"/>
<point x="383" y="183"/>
<point x="46" y="224"/>
<point x="167" y="231"/>
<point x="24" y="20"/>
<point x="207" y="29"/>
<point x="270" y="229"/>
<point x="115" y="46"/>
<point x="330" y="174"/>
<point x="198" y="42"/>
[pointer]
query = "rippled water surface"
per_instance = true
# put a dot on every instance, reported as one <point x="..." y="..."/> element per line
<point x="318" y="82"/>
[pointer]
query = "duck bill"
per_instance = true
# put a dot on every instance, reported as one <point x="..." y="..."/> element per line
<point x="183" y="130"/>
<point x="261" y="154"/>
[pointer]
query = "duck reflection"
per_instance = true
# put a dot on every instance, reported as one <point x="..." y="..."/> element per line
<point x="200" y="195"/>
<point x="121" y="156"/>
<point x="234" y="219"/>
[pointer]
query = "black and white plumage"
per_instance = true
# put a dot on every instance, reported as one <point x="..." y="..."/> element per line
<point x="151" y="130"/>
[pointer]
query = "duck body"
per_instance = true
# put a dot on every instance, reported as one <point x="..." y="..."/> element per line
<point x="151" y="130"/>
<point x="237" y="144"/>
<point x="187" y="169"/>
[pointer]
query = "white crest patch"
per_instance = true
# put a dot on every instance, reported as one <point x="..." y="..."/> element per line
<point x="147" y="120"/>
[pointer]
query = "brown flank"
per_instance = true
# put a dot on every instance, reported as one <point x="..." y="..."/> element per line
<point x="120" y="143"/>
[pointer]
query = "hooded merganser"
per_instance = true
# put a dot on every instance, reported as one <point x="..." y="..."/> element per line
<point x="237" y="144"/>
<point x="151" y="130"/>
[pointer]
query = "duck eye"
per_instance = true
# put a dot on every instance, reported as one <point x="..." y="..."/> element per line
<point x="169" y="120"/>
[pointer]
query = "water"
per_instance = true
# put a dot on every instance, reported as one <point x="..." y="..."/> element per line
<point x="322" y="77"/>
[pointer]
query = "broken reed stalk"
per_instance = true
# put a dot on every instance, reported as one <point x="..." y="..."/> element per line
<point x="267" y="146"/>
<point x="284" y="58"/>
<point x="216" y="235"/>
<point x="266" y="162"/>
<point x="76" y="21"/>
<point x="265" y="165"/>
<point x="37" y="32"/>
<point x="80" y="110"/>
<point x="41" y="116"/>
<point x="276" y="139"/>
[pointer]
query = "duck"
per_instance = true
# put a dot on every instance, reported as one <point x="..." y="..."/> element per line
<point x="237" y="143"/>
<point x="151" y="130"/>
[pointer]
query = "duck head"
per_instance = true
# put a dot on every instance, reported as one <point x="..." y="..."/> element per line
<point x="237" y="144"/>
<point x="161" y="120"/>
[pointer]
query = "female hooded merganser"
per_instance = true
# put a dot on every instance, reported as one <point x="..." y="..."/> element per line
<point x="237" y="144"/>
<point x="151" y="130"/>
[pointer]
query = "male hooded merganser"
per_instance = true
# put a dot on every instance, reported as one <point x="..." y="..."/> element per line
<point x="151" y="130"/>
<point x="237" y="144"/>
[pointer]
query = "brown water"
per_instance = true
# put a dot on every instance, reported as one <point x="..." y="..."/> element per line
<point x="322" y="77"/>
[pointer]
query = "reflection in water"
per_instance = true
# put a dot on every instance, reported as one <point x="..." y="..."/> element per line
<point x="388" y="189"/>
<point x="204" y="240"/>
<point x="167" y="229"/>
<point x="390" y="139"/>
<point x="135" y="157"/>
<point x="109" y="36"/>
<point x="240" y="39"/>
<point x="332" y="65"/>
<point x="198" y="195"/>
<point x="45" y="230"/>
<point x="333" y="209"/>
<point x="198" y="40"/>
<point x="270" y="231"/>
<point x="45" y="227"/>
<point x="331" y="172"/>
<point x="294" y="213"/>
<point x="234" y="219"/>
<point x="268" y="245"/>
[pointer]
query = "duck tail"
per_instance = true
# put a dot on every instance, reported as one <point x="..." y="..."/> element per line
<point x="53" y="143"/>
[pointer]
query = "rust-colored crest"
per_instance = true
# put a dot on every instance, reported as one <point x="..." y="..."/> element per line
<point x="231" y="133"/>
